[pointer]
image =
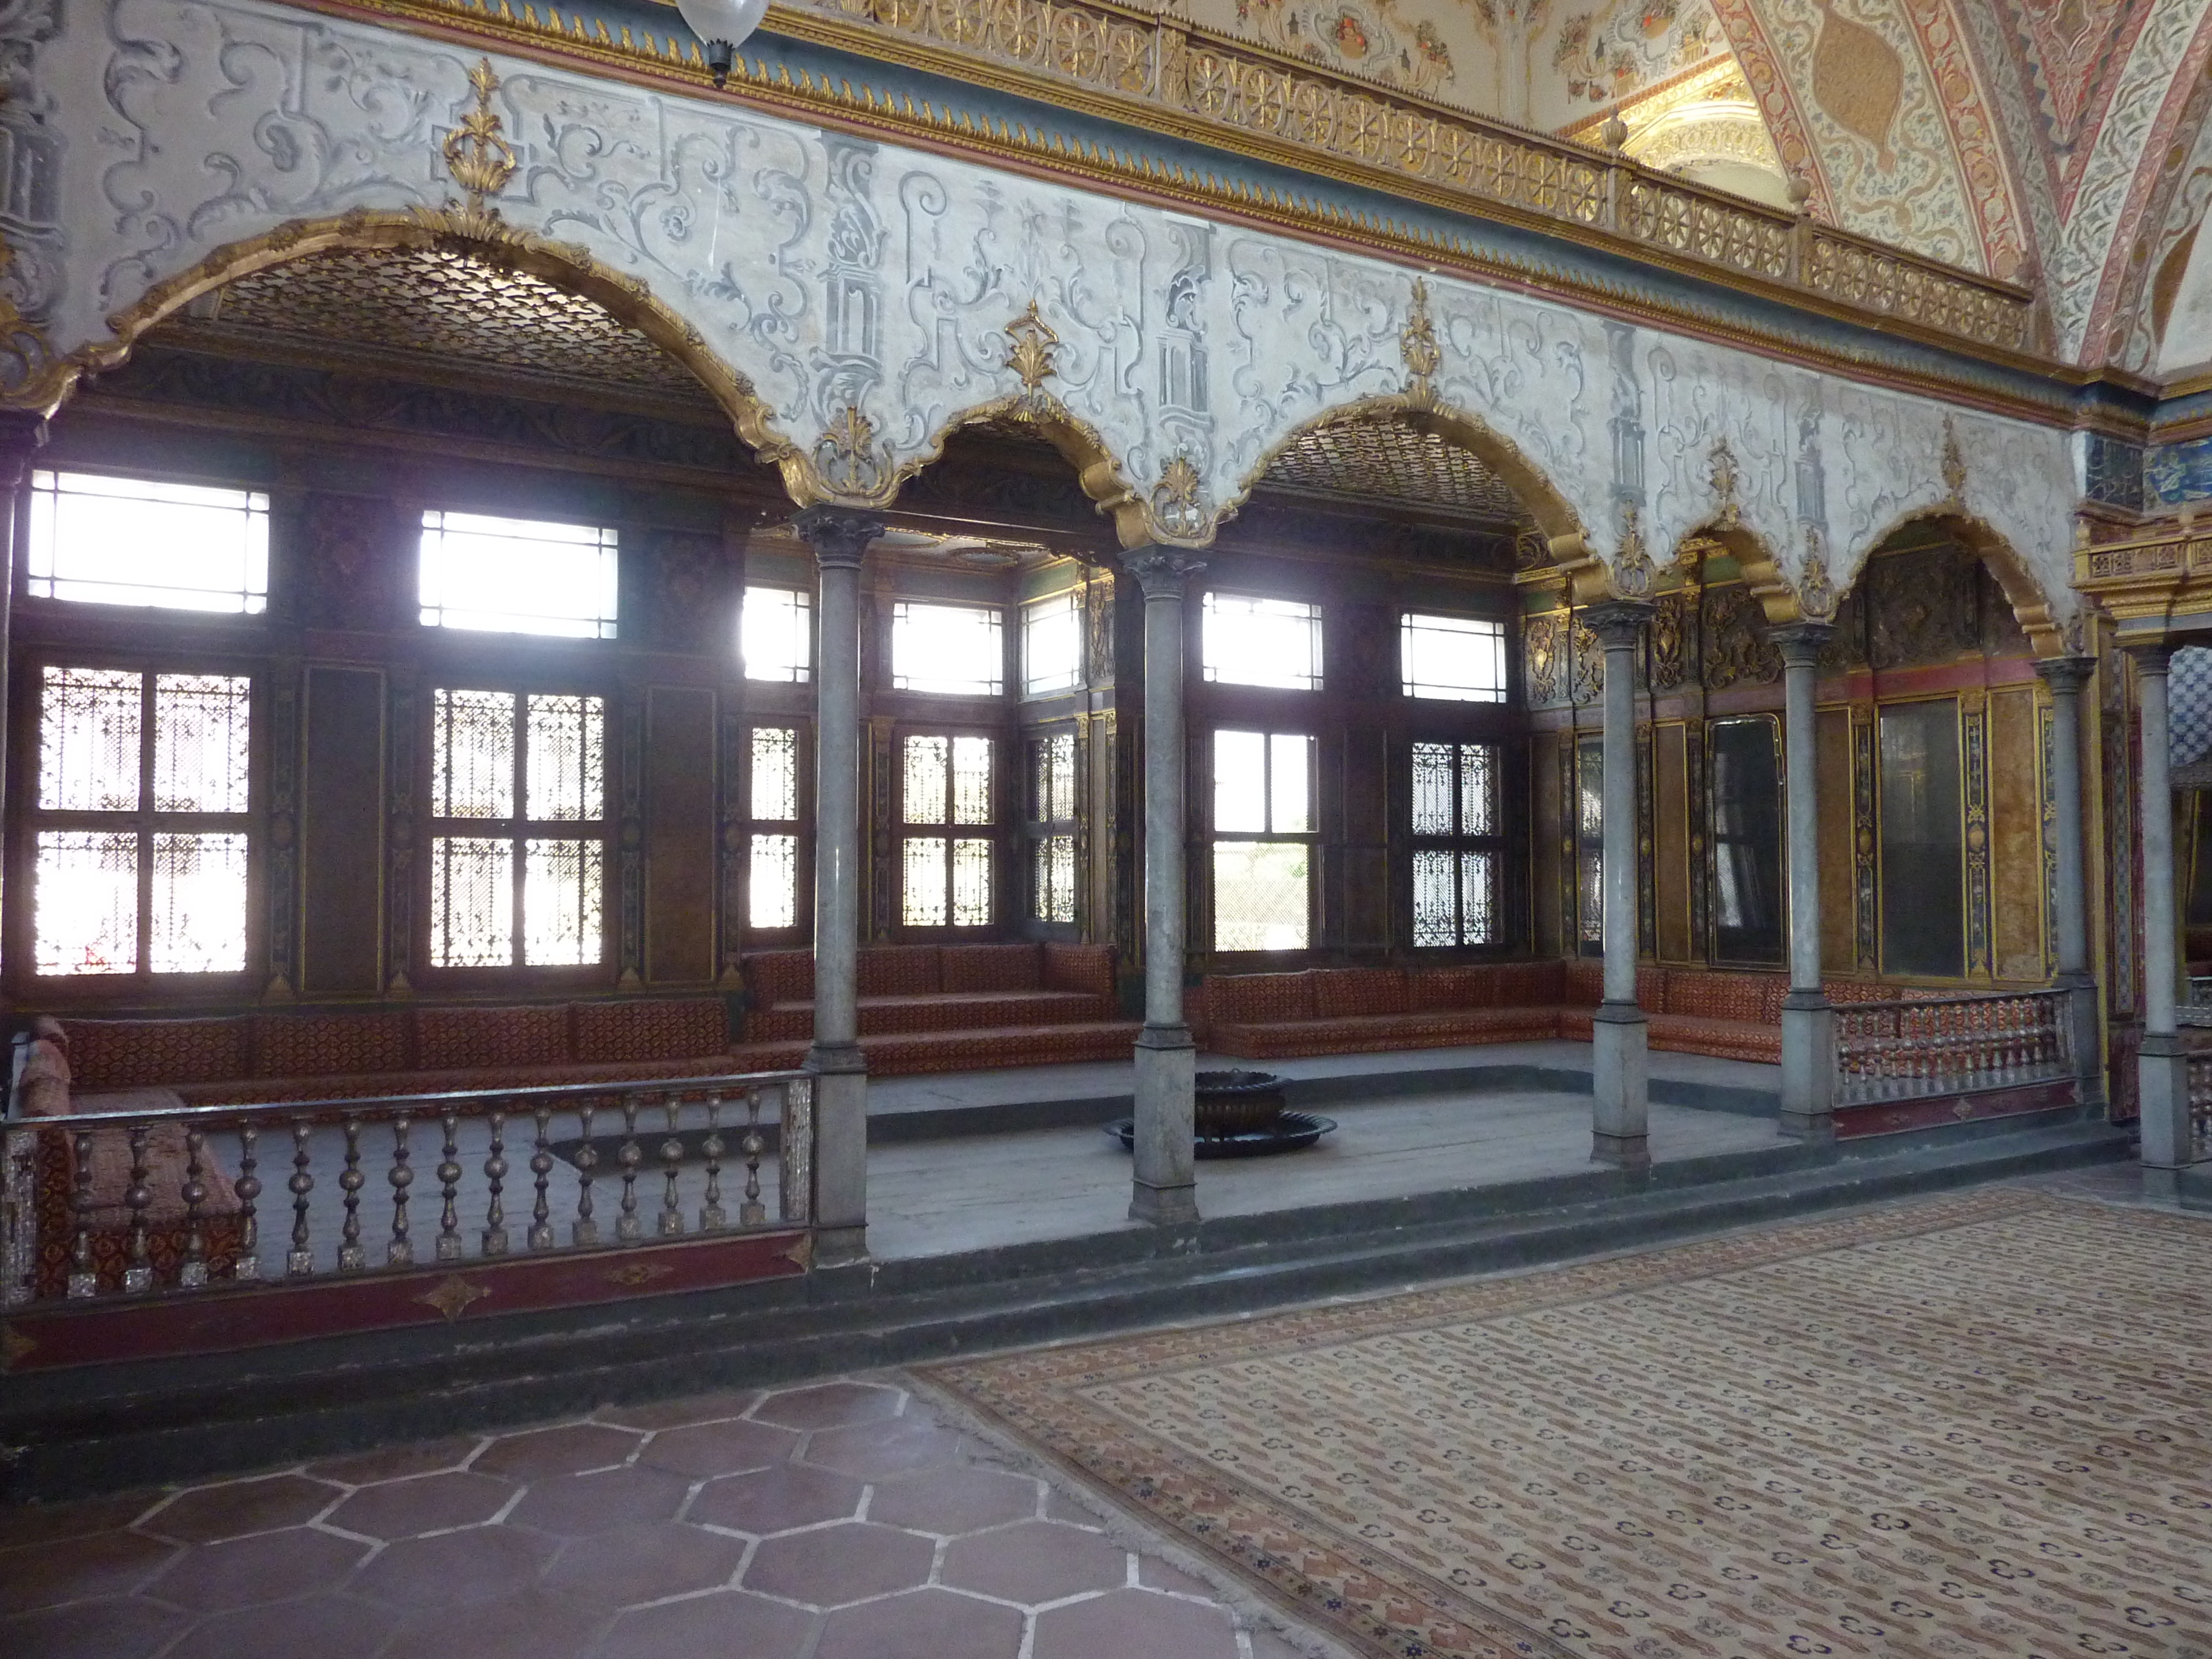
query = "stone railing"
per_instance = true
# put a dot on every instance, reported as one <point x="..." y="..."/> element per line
<point x="1908" y="1050"/>
<point x="128" y="1206"/>
<point x="1161" y="72"/>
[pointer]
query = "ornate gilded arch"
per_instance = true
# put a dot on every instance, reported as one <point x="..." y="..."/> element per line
<point x="1076" y="440"/>
<point x="2031" y="606"/>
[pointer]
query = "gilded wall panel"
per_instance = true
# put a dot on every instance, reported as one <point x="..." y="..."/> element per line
<point x="2017" y="870"/>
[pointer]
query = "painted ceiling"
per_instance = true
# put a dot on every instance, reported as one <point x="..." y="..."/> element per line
<point x="2059" y="143"/>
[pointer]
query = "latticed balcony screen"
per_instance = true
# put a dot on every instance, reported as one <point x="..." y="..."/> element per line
<point x="772" y="869"/>
<point x="142" y="848"/>
<point x="945" y="876"/>
<point x="507" y="888"/>
<point x="1456" y="856"/>
<point x="1052" y="818"/>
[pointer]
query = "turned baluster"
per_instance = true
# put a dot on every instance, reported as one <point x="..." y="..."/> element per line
<point x="247" y="1264"/>
<point x="630" y="1156"/>
<point x="541" y="1167"/>
<point x="301" y="1259"/>
<point x="401" y="1251"/>
<point x="710" y="1211"/>
<point x="192" y="1272"/>
<point x="587" y="1229"/>
<point x="84" y="1274"/>
<point x="672" y="1159"/>
<point x="350" y="1183"/>
<point x="752" y="1211"/>
<point x="495" y="1231"/>
<point x="138" y="1273"/>
<point x="449" y="1181"/>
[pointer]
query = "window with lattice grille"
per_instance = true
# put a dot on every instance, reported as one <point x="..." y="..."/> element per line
<point x="1458" y="851"/>
<point x="1263" y="840"/>
<point x="1052" y="821"/>
<point x="518" y="832"/>
<point x="142" y="826"/>
<point x="772" y="780"/>
<point x="132" y="541"/>
<point x="1589" y="845"/>
<point x="944" y="860"/>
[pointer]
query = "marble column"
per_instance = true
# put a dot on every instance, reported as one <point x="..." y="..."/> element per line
<point x="840" y="539"/>
<point x="1808" y="1024"/>
<point x="1620" y="1037"/>
<point x="2066" y="677"/>
<point x="22" y="437"/>
<point x="1164" y="1184"/>
<point x="2167" y="1141"/>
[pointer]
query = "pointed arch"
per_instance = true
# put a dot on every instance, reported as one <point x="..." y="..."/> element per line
<point x="476" y="235"/>
<point x="1761" y="567"/>
<point x="1098" y="469"/>
<point x="2031" y="605"/>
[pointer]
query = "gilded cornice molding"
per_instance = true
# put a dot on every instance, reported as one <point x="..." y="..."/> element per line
<point x="1561" y="190"/>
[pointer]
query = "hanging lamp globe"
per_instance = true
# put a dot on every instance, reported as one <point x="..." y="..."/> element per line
<point x="724" y="25"/>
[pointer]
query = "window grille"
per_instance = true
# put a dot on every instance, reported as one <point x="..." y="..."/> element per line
<point x="951" y="650"/>
<point x="1456" y="852"/>
<point x="946" y="875"/>
<point x="775" y="634"/>
<point x="772" y="859"/>
<point x="1263" y="840"/>
<point x="132" y="541"/>
<point x="1589" y="845"/>
<point x="517" y="575"/>
<point x="142" y="829"/>
<point x="1255" y="641"/>
<point x="1052" y="644"/>
<point x="1453" y="659"/>
<point x="1052" y="824"/>
<point x="509" y="888"/>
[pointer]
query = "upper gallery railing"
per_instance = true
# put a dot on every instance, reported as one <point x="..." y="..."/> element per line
<point x="1127" y="63"/>
<point x="1908" y="1050"/>
<point x="124" y="1205"/>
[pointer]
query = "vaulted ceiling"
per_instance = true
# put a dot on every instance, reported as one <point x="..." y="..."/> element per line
<point x="2061" y="142"/>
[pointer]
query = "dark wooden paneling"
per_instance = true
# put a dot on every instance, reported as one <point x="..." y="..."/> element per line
<point x="1670" y="874"/>
<point x="679" y="834"/>
<point x="1544" y="802"/>
<point x="2015" y="838"/>
<point x="1839" y="910"/>
<point x="341" y="833"/>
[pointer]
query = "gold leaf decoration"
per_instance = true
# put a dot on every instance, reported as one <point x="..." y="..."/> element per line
<point x="1954" y="462"/>
<point x="479" y="158"/>
<point x="1722" y="472"/>
<point x="451" y="1296"/>
<point x="1816" y="594"/>
<point x="1176" y="509"/>
<point x="1416" y="345"/>
<point x="1031" y="345"/>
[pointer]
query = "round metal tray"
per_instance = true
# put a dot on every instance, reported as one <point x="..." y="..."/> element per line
<point x="1285" y="1134"/>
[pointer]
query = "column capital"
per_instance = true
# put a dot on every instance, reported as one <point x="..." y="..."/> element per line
<point x="1618" y="621"/>
<point x="1801" y="642"/>
<point x="2153" y="659"/>
<point x="1160" y="570"/>
<point x="2067" y="674"/>
<point x="839" y="535"/>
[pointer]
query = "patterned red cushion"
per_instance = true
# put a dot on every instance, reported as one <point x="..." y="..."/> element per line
<point x="1444" y="989"/>
<point x="1773" y="988"/>
<point x="318" y="1045"/>
<point x="449" y="1038"/>
<point x="1529" y="984"/>
<point x="129" y="1053"/>
<point x="1349" y="992"/>
<point x="1582" y="983"/>
<point x="1650" y="988"/>
<point x="988" y="967"/>
<point x="1079" y="967"/>
<point x="1259" y="998"/>
<point x="1719" y="995"/>
<point x="899" y="970"/>
<point x="774" y="976"/>
<point x="667" y="1028"/>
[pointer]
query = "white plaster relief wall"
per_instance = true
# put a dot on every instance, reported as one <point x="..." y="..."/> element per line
<point x="831" y="271"/>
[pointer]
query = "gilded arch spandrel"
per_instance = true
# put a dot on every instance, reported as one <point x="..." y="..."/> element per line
<point x="2031" y="607"/>
<point x="1098" y="469"/>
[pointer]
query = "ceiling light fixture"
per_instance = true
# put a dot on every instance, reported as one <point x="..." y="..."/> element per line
<point x="723" y="25"/>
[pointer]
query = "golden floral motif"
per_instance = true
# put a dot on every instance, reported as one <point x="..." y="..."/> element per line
<point x="1722" y="473"/>
<point x="845" y="460"/>
<point x="1955" y="463"/>
<point x="480" y="160"/>
<point x="1176" y="509"/>
<point x="1633" y="569"/>
<point x="1416" y="345"/>
<point x="1032" y="347"/>
<point x="1816" y="594"/>
<point x="451" y="1296"/>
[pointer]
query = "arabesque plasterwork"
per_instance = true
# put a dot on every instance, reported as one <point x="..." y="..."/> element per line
<point x="849" y="301"/>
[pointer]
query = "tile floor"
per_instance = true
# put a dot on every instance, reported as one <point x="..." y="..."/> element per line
<point x="837" y="1521"/>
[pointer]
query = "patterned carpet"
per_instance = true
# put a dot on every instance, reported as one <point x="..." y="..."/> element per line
<point x="1972" y="1426"/>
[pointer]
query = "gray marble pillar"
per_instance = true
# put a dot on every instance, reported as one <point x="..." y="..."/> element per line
<point x="1164" y="1184"/>
<point x="1620" y="1047"/>
<point x="840" y="539"/>
<point x="2067" y="677"/>
<point x="2167" y="1140"/>
<point x="1808" y="1024"/>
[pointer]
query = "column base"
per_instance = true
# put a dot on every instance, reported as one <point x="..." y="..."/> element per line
<point x="1163" y="1187"/>
<point x="1620" y="1085"/>
<point x="2169" y="1139"/>
<point x="1808" y="1067"/>
<point x="841" y="1151"/>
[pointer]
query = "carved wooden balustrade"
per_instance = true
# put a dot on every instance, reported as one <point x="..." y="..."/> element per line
<point x="122" y="1207"/>
<point x="1910" y="1049"/>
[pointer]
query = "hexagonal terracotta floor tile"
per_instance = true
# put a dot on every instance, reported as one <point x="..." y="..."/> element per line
<point x="569" y="1449"/>
<point x="726" y="1624"/>
<point x="482" y="1563"/>
<point x="884" y="1450"/>
<point x="827" y="1566"/>
<point x="431" y="1502"/>
<point x="711" y="1449"/>
<point x="1035" y="1562"/>
<point x="533" y="1623"/>
<point x="954" y="1500"/>
<point x="926" y="1624"/>
<point x="776" y="1499"/>
<point x="397" y="1462"/>
<point x="326" y="1626"/>
<point x="638" y="1564"/>
<point x="46" y="1523"/>
<point x="270" y="1566"/>
<point x="1130" y="1621"/>
<point x="574" y="1505"/>
<point x="119" y="1627"/>
<point x="680" y="1414"/>
<point x="829" y="1405"/>
<point x="205" y="1515"/>
<point x="37" y="1575"/>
